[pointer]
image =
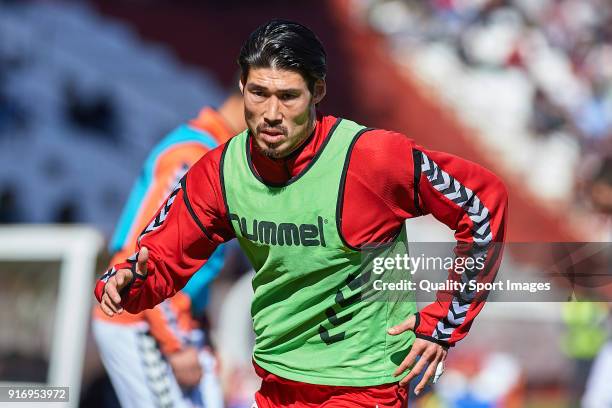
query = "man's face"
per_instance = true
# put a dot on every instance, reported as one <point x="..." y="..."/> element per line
<point x="279" y="109"/>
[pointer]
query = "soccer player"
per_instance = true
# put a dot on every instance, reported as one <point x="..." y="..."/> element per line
<point x="163" y="358"/>
<point x="305" y="193"/>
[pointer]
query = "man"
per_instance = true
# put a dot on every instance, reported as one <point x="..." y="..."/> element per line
<point x="163" y="360"/>
<point x="305" y="194"/>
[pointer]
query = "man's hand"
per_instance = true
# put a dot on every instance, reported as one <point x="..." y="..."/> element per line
<point x="432" y="356"/>
<point x="111" y="300"/>
<point x="186" y="367"/>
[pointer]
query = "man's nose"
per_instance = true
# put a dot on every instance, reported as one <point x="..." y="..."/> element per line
<point x="272" y="115"/>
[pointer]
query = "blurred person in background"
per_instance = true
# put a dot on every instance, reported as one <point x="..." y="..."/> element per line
<point x="164" y="357"/>
<point x="585" y="334"/>
<point x="331" y="187"/>
<point x="598" y="392"/>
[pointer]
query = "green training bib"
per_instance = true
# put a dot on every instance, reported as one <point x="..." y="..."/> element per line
<point x="315" y="314"/>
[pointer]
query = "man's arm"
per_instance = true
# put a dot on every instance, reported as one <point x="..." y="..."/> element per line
<point x="472" y="201"/>
<point x="161" y="172"/>
<point x="179" y="239"/>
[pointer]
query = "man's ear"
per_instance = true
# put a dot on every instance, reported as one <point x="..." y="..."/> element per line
<point x="241" y="86"/>
<point x="320" y="89"/>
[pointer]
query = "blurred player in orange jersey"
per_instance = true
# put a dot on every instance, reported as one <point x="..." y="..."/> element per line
<point x="163" y="359"/>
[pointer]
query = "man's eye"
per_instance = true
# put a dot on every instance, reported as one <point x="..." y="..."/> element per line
<point x="286" y="97"/>
<point x="257" y="93"/>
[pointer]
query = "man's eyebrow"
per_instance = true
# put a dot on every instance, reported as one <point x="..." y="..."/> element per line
<point x="253" y="86"/>
<point x="256" y="86"/>
<point x="290" y="90"/>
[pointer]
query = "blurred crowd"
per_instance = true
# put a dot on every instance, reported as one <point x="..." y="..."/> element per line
<point x="561" y="53"/>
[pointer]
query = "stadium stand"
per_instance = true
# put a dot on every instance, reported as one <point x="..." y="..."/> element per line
<point x="83" y="101"/>
<point x="532" y="77"/>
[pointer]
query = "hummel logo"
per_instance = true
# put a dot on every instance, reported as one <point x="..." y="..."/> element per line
<point x="285" y="233"/>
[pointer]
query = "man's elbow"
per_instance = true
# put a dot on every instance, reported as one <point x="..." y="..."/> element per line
<point x="499" y="208"/>
<point x="498" y="186"/>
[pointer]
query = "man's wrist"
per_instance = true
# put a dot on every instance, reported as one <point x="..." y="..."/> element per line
<point x="442" y="343"/>
<point x="417" y="322"/>
<point x="126" y="289"/>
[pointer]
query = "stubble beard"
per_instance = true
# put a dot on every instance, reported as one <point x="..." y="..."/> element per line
<point x="272" y="153"/>
<point x="268" y="152"/>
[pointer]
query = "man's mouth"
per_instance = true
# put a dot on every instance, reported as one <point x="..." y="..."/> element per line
<point x="271" y="136"/>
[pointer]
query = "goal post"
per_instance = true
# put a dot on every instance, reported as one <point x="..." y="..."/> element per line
<point x="76" y="248"/>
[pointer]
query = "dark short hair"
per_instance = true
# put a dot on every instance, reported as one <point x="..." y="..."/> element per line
<point x="286" y="45"/>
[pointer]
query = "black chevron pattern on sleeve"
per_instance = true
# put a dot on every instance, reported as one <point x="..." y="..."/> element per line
<point x="465" y="198"/>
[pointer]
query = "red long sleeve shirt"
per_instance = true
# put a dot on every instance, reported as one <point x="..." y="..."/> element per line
<point x="389" y="179"/>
